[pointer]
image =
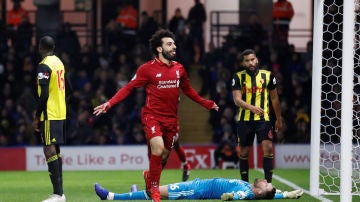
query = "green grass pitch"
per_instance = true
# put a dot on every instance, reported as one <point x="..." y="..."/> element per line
<point x="78" y="185"/>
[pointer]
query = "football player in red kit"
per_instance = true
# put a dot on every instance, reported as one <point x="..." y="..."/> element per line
<point x="162" y="78"/>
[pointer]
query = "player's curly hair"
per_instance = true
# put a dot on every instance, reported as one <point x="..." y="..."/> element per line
<point x="156" y="41"/>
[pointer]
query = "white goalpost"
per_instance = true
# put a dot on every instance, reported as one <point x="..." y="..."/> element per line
<point x="334" y="166"/>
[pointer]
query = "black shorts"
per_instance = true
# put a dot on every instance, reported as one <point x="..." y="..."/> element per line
<point x="246" y="131"/>
<point x="52" y="132"/>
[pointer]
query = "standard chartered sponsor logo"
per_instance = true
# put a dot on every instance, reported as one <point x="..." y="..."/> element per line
<point x="168" y="84"/>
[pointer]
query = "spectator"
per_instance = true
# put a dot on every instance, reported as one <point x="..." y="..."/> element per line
<point x="177" y="23"/>
<point x="22" y="135"/>
<point x="282" y="14"/>
<point x="128" y="21"/>
<point x="81" y="79"/>
<point x="295" y="65"/>
<point x="302" y="132"/>
<point x="16" y="15"/>
<point x="196" y="20"/>
<point x="128" y="16"/>
<point x="257" y="31"/>
<point x="68" y="41"/>
<point x="83" y="132"/>
<point x="8" y="119"/>
<point x="147" y="28"/>
<point x="112" y="34"/>
<point x="88" y="59"/>
<point x="102" y="136"/>
<point x="104" y="78"/>
<point x="225" y="152"/>
<point x="22" y="38"/>
<point x="250" y="34"/>
<point x="120" y="118"/>
<point x="119" y="137"/>
<point x="307" y="56"/>
<point x="137" y="135"/>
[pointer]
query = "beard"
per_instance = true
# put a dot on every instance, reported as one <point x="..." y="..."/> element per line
<point x="167" y="55"/>
<point x="253" y="71"/>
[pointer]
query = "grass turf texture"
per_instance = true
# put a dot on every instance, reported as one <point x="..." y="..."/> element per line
<point x="79" y="185"/>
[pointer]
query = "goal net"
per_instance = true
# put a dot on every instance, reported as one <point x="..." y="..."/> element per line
<point x="335" y="126"/>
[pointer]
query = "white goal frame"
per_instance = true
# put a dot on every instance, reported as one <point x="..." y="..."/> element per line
<point x="346" y="97"/>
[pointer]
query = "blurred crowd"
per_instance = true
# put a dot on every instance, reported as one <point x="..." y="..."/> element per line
<point x="98" y="72"/>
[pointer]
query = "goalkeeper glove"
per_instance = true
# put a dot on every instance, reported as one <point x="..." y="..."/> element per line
<point x="227" y="196"/>
<point x="293" y="194"/>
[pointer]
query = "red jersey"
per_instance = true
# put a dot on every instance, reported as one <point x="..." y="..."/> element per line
<point x="162" y="83"/>
<point x="14" y="17"/>
<point x="128" y="17"/>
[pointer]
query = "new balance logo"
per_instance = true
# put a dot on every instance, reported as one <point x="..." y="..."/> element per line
<point x="158" y="75"/>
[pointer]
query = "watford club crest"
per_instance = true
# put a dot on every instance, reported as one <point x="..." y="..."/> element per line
<point x="261" y="81"/>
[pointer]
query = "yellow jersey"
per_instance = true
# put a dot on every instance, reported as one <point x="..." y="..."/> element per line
<point x="51" y="72"/>
<point x="255" y="90"/>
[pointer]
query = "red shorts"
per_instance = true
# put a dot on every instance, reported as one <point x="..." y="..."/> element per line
<point x="153" y="127"/>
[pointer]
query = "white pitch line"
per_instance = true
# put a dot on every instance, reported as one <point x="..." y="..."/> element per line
<point x="294" y="186"/>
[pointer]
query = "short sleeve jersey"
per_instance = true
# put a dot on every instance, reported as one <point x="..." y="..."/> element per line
<point x="255" y="91"/>
<point x="51" y="72"/>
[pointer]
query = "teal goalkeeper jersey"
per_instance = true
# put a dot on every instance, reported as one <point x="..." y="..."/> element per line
<point x="210" y="189"/>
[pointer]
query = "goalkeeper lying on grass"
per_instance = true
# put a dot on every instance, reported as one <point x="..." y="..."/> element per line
<point x="216" y="188"/>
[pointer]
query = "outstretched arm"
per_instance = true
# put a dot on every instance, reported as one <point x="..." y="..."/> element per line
<point x="289" y="194"/>
<point x="137" y="81"/>
<point x="282" y="195"/>
<point x="189" y="91"/>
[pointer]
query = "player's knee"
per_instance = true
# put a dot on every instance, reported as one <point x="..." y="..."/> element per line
<point x="158" y="151"/>
<point x="267" y="147"/>
<point x="268" y="150"/>
<point x="244" y="152"/>
<point x="49" y="151"/>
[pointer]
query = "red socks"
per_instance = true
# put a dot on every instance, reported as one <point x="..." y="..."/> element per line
<point x="155" y="169"/>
